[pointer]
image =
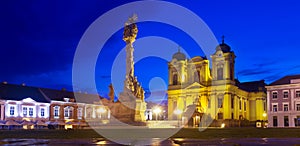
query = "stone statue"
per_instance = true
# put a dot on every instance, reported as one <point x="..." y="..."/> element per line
<point x="130" y="30"/>
<point x="111" y="93"/>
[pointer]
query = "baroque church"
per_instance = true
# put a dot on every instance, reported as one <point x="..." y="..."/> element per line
<point x="194" y="86"/>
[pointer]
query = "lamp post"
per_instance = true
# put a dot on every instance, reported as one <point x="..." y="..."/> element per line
<point x="156" y="110"/>
<point x="264" y="119"/>
<point x="178" y="112"/>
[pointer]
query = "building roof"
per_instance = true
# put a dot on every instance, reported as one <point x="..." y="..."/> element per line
<point x="20" y="92"/>
<point x="224" y="48"/>
<point x="255" y="86"/>
<point x="285" y="80"/>
<point x="179" y="56"/>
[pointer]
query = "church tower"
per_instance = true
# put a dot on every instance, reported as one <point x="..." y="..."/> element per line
<point x="223" y="61"/>
<point x="178" y="69"/>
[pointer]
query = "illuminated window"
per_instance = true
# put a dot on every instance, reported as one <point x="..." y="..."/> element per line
<point x="68" y="112"/>
<point x="25" y="111"/>
<point x="79" y="113"/>
<point x="30" y="111"/>
<point x="42" y="112"/>
<point x="12" y="110"/>
<point x="274" y="108"/>
<point x="88" y="113"/>
<point x="274" y="95"/>
<point x="298" y="107"/>
<point x="297" y="93"/>
<point x="56" y="112"/>
<point x="285" y="94"/>
<point x="285" y="107"/>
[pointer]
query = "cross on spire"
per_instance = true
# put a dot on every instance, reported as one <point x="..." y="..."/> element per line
<point x="223" y="37"/>
<point x="179" y="48"/>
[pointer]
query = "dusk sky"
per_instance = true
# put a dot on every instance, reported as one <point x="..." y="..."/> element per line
<point x="39" y="39"/>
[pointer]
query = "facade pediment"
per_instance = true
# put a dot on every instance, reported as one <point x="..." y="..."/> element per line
<point x="194" y="85"/>
<point x="28" y="99"/>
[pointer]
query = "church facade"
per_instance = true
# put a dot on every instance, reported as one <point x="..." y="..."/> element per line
<point x="214" y="91"/>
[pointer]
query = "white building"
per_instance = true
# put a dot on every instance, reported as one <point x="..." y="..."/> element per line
<point x="30" y="107"/>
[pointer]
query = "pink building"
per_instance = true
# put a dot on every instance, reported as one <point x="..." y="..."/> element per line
<point x="283" y="98"/>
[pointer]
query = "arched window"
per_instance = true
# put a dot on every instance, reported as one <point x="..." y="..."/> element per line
<point x="220" y="73"/>
<point x="68" y="112"/>
<point x="175" y="79"/>
<point x="196" y="76"/>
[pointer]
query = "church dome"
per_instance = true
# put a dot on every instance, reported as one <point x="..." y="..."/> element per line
<point x="179" y="56"/>
<point x="223" y="47"/>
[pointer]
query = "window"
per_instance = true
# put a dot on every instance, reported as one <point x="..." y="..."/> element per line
<point x="12" y="110"/>
<point x="220" y="73"/>
<point x="42" y="112"/>
<point x="25" y="111"/>
<point x="285" y="107"/>
<point x="68" y="112"/>
<point x="274" y="95"/>
<point x="31" y="111"/>
<point x="175" y="79"/>
<point x="275" y="122"/>
<point x="232" y="116"/>
<point x="220" y="115"/>
<point x="232" y="101"/>
<point x="286" y="121"/>
<point x="79" y="113"/>
<point x="298" y="107"/>
<point x="240" y="104"/>
<point x="285" y="94"/>
<point x="265" y="106"/>
<point x="245" y="105"/>
<point x="56" y="111"/>
<point x="297" y="93"/>
<point x="274" y="108"/>
<point x="220" y="102"/>
<point x="88" y="113"/>
<point x="196" y="76"/>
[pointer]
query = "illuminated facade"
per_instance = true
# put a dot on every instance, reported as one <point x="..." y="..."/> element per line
<point x="30" y="107"/>
<point x="192" y="83"/>
<point x="283" y="98"/>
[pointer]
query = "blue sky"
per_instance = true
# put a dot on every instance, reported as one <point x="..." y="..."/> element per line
<point x="39" y="39"/>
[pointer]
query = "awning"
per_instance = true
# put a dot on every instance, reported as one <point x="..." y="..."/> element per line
<point x="40" y="123"/>
<point x="12" y="123"/>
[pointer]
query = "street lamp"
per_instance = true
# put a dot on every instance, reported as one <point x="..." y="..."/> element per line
<point x="264" y="119"/>
<point x="156" y="110"/>
<point x="178" y="112"/>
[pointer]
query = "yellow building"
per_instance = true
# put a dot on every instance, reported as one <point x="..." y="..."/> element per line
<point x="213" y="91"/>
